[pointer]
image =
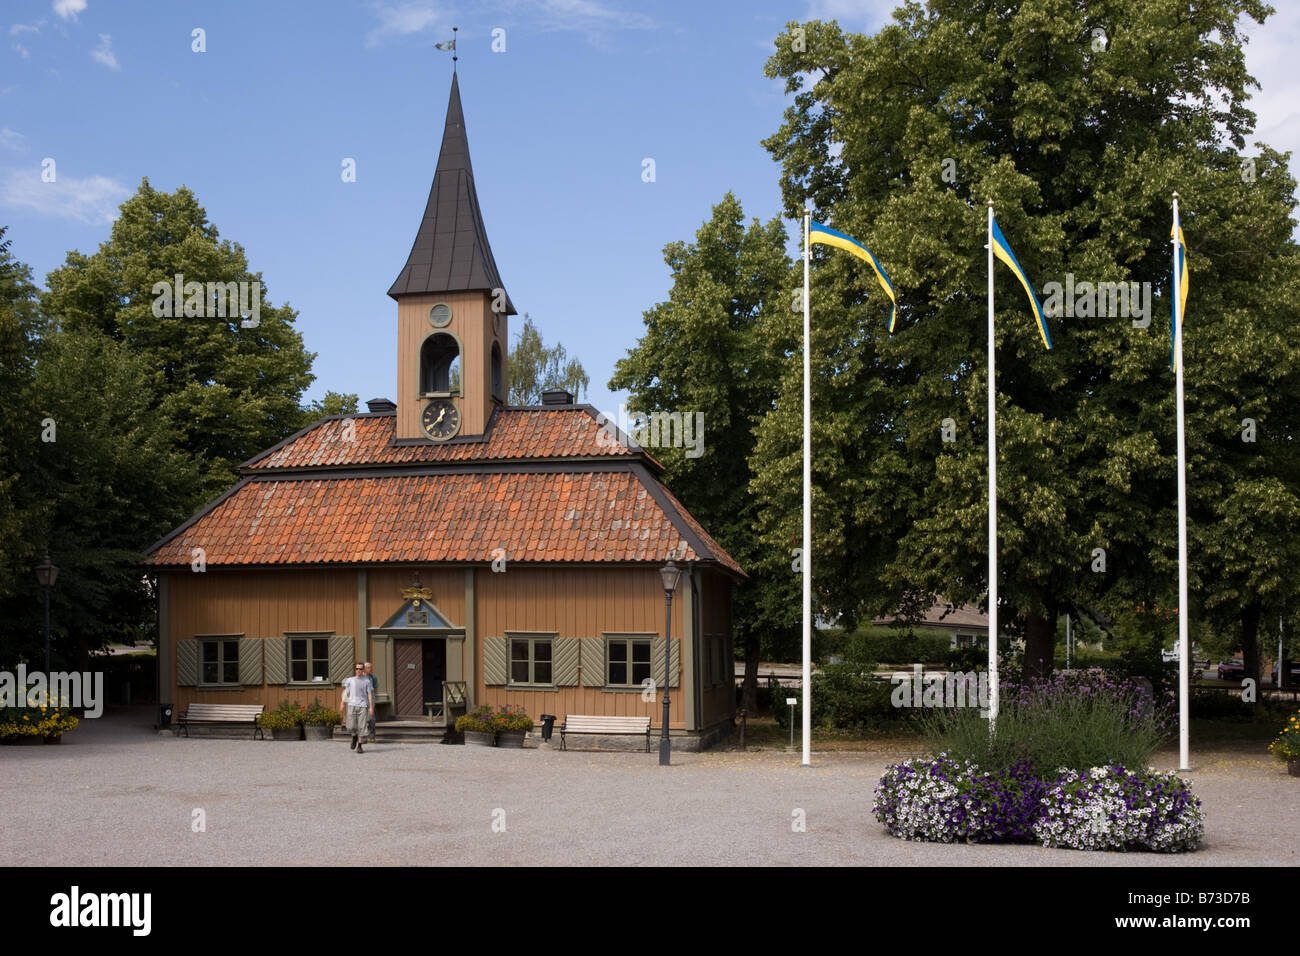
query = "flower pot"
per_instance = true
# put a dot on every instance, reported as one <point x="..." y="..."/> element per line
<point x="477" y="738"/>
<point x="317" y="732"/>
<point x="1293" y="766"/>
<point x="510" y="738"/>
<point x="23" y="740"/>
<point x="54" y="739"/>
<point x="287" y="733"/>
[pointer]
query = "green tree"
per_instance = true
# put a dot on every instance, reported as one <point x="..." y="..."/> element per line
<point x="228" y="387"/>
<point x="334" y="403"/>
<point x="534" y="368"/>
<point x="19" y="425"/>
<point x="1078" y="123"/>
<point x="710" y="349"/>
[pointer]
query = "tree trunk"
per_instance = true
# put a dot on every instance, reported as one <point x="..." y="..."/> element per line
<point x="1250" y="616"/>
<point x="1040" y="646"/>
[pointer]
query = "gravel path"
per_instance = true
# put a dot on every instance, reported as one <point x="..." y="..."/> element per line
<point x="117" y="793"/>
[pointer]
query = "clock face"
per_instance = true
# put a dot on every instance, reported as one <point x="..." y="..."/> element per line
<point x="441" y="419"/>
<point x="440" y="315"/>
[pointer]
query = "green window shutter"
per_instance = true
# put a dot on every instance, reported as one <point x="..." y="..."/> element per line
<point x="593" y="661"/>
<point x="657" y="661"/>
<point x="187" y="663"/>
<point x="250" y="661"/>
<point x="566" y="652"/>
<point x="496" y="661"/>
<point x="277" y="660"/>
<point x="343" y="657"/>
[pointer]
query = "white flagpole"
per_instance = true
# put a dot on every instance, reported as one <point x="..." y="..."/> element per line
<point x="993" y="504"/>
<point x="807" y="502"/>
<point x="1184" y="657"/>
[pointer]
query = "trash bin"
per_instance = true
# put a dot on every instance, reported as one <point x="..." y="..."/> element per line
<point x="548" y="725"/>
<point x="164" y="716"/>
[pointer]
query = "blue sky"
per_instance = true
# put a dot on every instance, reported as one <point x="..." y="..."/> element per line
<point x="559" y="125"/>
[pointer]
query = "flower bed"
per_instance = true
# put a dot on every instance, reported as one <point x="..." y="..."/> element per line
<point x="1105" y="808"/>
<point x="1017" y="785"/>
<point x="36" y="722"/>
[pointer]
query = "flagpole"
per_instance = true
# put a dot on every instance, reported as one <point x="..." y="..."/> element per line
<point x="993" y="503"/>
<point x="807" y="502"/>
<point x="1184" y="658"/>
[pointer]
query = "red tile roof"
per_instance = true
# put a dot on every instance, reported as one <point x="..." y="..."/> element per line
<point x="598" y="516"/>
<point x="514" y="433"/>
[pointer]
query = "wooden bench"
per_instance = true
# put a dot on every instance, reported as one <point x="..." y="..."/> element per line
<point x="606" y="726"/>
<point x="222" y="714"/>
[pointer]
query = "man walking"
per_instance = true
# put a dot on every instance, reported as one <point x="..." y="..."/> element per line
<point x="368" y="670"/>
<point x="359" y="701"/>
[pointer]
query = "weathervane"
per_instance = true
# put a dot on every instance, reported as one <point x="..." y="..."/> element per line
<point x="449" y="45"/>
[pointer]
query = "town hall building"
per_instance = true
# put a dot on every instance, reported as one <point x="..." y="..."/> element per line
<point x="477" y="553"/>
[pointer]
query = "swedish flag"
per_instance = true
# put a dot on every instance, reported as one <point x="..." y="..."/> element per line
<point x="1002" y="250"/>
<point x="817" y="233"/>
<point x="1179" y="306"/>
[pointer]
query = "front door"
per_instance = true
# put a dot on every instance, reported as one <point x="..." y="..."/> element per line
<point x="409" y="680"/>
<point x="421" y="669"/>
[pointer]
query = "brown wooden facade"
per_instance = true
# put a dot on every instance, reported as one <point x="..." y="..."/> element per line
<point x="263" y="608"/>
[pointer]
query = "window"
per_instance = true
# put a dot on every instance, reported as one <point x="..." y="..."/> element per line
<point x="439" y="364"/>
<point x="309" y="659"/>
<point x="627" y="661"/>
<point x="497" y="391"/>
<point x="530" y="660"/>
<point x="715" y="668"/>
<point x="220" y="661"/>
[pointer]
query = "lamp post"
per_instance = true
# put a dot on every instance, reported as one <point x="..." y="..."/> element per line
<point x="671" y="574"/>
<point x="46" y="575"/>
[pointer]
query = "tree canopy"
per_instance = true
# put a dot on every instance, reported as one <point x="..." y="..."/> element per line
<point x="1078" y="124"/>
<point x="534" y="368"/>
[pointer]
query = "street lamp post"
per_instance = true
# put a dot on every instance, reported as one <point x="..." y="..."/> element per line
<point x="46" y="575"/>
<point x="671" y="574"/>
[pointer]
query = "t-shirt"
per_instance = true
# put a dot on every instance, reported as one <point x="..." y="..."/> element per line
<point x="357" y="692"/>
<point x="374" y="681"/>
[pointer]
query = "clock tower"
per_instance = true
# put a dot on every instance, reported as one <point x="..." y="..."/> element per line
<point x="452" y="308"/>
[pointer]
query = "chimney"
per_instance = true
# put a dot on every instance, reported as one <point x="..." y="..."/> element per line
<point x="381" y="406"/>
<point x="556" y="396"/>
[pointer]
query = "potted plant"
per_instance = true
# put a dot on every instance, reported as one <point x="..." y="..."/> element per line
<point x="35" y="724"/>
<point x="515" y="725"/>
<point x="285" y="722"/>
<point x="318" y="722"/>
<point x="479" y="726"/>
<point x="1287" y="746"/>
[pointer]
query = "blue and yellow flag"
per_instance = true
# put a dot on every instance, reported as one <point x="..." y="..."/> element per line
<point x="1179" y="302"/>
<point x="829" y="237"/>
<point x="1003" y="251"/>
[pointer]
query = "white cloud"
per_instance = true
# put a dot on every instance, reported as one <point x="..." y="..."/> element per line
<point x="589" y="16"/>
<point x="18" y="29"/>
<point x="401" y="19"/>
<point x="104" y="52"/>
<point x="93" y="200"/>
<point x="23" y="51"/>
<point x="68" y="9"/>
<point x="11" y="139"/>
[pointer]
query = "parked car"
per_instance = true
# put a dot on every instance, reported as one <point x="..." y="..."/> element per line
<point x="1294" y="679"/>
<point x="1234" y="669"/>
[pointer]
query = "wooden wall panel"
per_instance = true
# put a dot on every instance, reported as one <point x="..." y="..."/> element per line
<point x="718" y="703"/>
<point x="576" y="602"/>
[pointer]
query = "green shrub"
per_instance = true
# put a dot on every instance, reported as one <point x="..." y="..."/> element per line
<point x="1087" y="719"/>
<point x="318" y="715"/>
<point x="844" y="697"/>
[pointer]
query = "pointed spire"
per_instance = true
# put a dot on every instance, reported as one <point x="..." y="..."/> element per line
<point x="451" y="251"/>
